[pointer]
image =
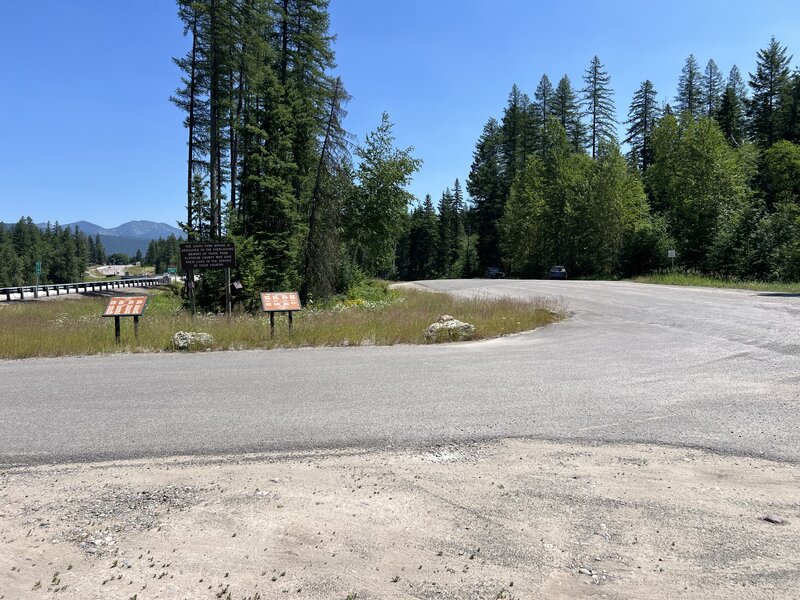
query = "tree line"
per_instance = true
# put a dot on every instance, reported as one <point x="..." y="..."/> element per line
<point x="63" y="254"/>
<point x="269" y="163"/>
<point x="714" y="175"/>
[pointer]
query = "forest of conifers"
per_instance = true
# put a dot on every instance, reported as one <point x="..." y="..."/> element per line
<point x="713" y="174"/>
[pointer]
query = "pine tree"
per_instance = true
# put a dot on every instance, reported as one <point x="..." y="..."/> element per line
<point x="790" y="109"/>
<point x="598" y="102"/>
<point x="514" y="130"/>
<point x="736" y="81"/>
<point x="303" y="59"/>
<point x="423" y="238"/>
<point x="642" y="117"/>
<point x="486" y="186"/>
<point x="268" y="210"/>
<point x="731" y="114"/>
<point x="768" y="84"/>
<point x="690" y="89"/>
<point x="713" y="88"/>
<point x="543" y="107"/>
<point x="189" y="99"/>
<point x="99" y="250"/>
<point x="321" y="246"/>
<point x="730" y="117"/>
<point x="450" y="234"/>
<point x="567" y="110"/>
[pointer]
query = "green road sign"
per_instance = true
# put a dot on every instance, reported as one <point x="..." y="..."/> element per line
<point x="38" y="267"/>
<point x="172" y="269"/>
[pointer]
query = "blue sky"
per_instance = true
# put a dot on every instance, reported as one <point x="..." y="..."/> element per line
<point x="88" y="133"/>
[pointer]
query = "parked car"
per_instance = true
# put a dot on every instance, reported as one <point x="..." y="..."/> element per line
<point x="558" y="272"/>
<point x="494" y="273"/>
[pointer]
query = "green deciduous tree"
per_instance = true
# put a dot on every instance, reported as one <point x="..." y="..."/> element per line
<point x="694" y="178"/>
<point x="376" y="209"/>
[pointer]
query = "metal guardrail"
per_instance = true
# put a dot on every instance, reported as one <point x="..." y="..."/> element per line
<point x="18" y="292"/>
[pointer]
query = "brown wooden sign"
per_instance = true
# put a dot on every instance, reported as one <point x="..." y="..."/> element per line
<point x="126" y="306"/>
<point x="280" y="301"/>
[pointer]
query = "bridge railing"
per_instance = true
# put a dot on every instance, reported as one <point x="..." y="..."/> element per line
<point x="19" y="292"/>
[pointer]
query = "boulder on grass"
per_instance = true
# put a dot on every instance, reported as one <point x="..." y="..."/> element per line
<point x="191" y="340"/>
<point x="449" y="329"/>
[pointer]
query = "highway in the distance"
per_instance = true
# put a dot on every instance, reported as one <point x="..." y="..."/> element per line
<point x="716" y="369"/>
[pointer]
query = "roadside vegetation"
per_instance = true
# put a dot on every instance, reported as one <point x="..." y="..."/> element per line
<point x="371" y="314"/>
<point x="690" y="278"/>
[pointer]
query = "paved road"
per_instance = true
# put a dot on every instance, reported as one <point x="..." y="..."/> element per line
<point x="682" y="366"/>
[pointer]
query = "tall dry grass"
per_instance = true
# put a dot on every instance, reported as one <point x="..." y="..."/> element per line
<point x="74" y="326"/>
<point x="691" y="278"/>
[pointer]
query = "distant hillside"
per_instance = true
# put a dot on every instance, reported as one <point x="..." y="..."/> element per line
<point x="142" y="230"/>
<point x="126" y="238"/>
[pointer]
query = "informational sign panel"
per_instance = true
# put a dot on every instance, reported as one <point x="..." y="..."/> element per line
<point x="280" y="301"/>
<point x="670" y="253"/>
<point x="207" y="255"/>
<point x="126" y="306"/>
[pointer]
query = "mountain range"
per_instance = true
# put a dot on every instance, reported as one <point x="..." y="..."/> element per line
<point x="126" y="238"/>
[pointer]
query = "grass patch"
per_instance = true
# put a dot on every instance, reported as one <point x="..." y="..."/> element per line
<point x="384" y="317"/>
<point x="697" y="279"/>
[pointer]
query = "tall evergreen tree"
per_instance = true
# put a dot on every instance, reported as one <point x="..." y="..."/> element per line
<point x="790" y="109"/>
<point x="486" y="186"/>
<point x="736" y="81"/>
<point x="321" y="252"/>
<point x="598" y="102"/>
<point x="731" y="117"/>
<point x="514" y="130"/>
<point x="713" y="87"/>
<point x="567" y="110"/>
<point x="303" y="59"/>
<point x="423" y="238"/>
<point x="642" y="117"/>
<point x="99" y="250"/>
<point x="689" y="98"/>
<point x="189" y="98"/>
<point x="768" y="85"/>
<point x="543" y="107"/>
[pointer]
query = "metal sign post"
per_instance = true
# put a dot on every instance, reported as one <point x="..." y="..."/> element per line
<point x="228" y="291"/>
<point x="273" y="302"/>
<point x="671" y="254"/>
<point x="126" y="306"/>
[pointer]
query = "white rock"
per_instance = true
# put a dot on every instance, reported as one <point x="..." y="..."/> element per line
<point x="448" y="329"/>
<point x="184" y="340"/>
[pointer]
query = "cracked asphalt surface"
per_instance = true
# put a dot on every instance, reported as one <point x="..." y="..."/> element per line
<point x="691" y="367"/>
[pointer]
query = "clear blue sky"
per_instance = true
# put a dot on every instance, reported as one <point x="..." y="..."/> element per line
<point x="87" y="132"/>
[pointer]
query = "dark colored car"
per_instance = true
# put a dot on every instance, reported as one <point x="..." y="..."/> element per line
<point x="494" y="273"/>
<point x="558" y="272"/>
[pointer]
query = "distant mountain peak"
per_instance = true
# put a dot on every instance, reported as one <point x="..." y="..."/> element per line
<point x="146" y="230"/>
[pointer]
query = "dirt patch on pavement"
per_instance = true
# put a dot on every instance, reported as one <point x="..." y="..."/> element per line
<point x="513" y="519"/>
